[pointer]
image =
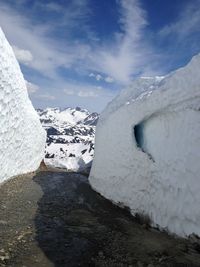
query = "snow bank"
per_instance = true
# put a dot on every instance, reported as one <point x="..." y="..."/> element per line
<point x="71" y="164"/>
<point x="22" y="138"/>
<point x="147" y="150"/>
<point x="70" y="137"/>
<point x="68" y="156"/>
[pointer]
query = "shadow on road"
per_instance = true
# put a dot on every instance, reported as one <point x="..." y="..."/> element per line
<point x="73" y="223"/>
<point x="75" y="226"/>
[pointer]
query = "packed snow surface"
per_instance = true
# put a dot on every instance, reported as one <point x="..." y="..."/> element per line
<point x="147" y="150"/>
<point x="22" y="138"/>
<point x="70" y="137"/>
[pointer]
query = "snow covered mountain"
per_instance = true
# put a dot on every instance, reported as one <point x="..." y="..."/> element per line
<point x="70" y="137"/>
<point x="150" y="133"/>
<point x="22" y="139"/>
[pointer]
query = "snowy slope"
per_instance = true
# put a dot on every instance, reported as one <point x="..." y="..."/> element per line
<point x="22" y="139"/>
<point x="147" y="150"/>
<point x="70" y="137"/>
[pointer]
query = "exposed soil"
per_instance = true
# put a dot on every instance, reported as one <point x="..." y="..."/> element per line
<point x="56" y="219"/>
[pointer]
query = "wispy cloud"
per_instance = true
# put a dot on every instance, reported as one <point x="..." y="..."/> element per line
<point x="179" y="40"/>
<point x="53" y="7"/>
<point x="62" y="47"/>
<point x="187" y="23"/>
<point x="109" y="79"/>
<point x="119" y="58"/>
<point x="98" y="77"/>
<point x="127" y="54"/>
<point x="46" y="96"/>
<point x="32" y="43"/>
<point x="86" y="91"/>
<point x="35" y="91"/>
<point x="22" y="55"/>
<point x="31" y="87"/>
<point x="87" y="94"/>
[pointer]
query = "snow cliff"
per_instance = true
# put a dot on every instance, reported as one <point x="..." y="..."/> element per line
<point x="22" y="138"/>
<point x="147" y="150"/>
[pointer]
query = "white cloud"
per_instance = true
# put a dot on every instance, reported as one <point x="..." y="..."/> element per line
<point x="69" y="91"/>
<point x="53" y="7"/>
<point x="33" y="46"/>
<point x="22" y="55"/>
<point x="98" y="77"/>
<point x="109" y="79"/>
<point x="121" y="57"/>
<point x="115" y="60"/>
<point x="31" y="87"/>
<point x="86" y="91"/>
<point x="187" y="23"/>
<point x="128" y="52"/>
<point x="81" y="92"/>
<point x="46" y="96"/>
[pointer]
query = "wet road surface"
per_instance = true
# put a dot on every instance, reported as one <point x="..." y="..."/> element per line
<point x="56" y="219"/>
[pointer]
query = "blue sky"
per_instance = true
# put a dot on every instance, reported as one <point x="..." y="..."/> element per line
<point x="83" y="52"/>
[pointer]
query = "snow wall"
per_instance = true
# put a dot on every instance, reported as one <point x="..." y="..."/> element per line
<point x="147" y="150"/>
<point x="22" y="138"/>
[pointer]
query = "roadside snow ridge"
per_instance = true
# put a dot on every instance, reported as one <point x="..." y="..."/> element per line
<point x="147" y="150"/>
<point x="22" y="139"/>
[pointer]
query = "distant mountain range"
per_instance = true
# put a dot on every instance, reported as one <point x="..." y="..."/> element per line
<point x="70" y="137"/>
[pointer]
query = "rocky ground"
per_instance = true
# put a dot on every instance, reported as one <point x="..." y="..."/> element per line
<point x="56" y="219"/>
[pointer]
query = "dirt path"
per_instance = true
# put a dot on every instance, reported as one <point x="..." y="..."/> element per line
<point x="56" y="219"/>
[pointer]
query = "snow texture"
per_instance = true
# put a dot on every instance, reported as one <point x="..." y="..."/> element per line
<point x="22" y="138"/>
<point x="147" y="150"/>
<point x="70" y="137"/>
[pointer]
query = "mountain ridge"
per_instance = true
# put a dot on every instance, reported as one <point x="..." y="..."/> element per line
<point x="70" y="137"/>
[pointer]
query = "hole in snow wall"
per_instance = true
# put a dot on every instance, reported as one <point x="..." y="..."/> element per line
<point x="139" y="135"/>
<point x="170" y="138"/>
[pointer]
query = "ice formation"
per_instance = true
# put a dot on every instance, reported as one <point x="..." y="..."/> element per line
<point x="22" y="138"/>
<point x="147" y="150"/>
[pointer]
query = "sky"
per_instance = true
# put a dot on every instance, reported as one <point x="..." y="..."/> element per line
<point x="83" y="52"/>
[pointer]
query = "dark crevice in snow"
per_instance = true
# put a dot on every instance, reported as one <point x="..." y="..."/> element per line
<point x="139" y="139"/>
<point x="138" y="133"/>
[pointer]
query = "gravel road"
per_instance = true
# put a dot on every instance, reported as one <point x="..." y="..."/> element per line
<point x="56" y="219"/>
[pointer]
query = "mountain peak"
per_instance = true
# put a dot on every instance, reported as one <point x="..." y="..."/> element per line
<point x="68" y="116"/>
